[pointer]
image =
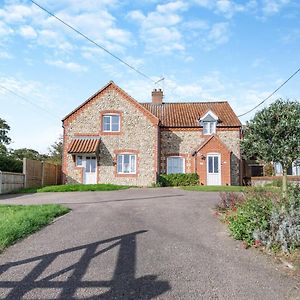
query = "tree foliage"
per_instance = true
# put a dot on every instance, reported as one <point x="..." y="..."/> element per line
<point x="26" y="153"/>
<point x="56" y="151"/>
<point x="4" y="129"/>
<point x="273" y="135"/>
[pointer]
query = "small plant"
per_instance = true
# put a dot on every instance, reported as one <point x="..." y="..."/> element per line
<point x="253" y="214"/>
<point x="284" y="225"/>
<point x="178" y="179"/>
<point x="229" y="200"/>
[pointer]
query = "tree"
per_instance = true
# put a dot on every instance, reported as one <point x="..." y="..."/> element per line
<point x="273" y="135"/>
<point x="4" y="129"/>
<point x="56" y="151"/>
<point x="7" y="163"/>
<point x="26" y="153"/>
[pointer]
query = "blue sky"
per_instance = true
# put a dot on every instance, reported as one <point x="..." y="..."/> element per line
<point x="239" y="51"/>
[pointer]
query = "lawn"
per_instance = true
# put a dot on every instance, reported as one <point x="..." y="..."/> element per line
<point x="215" y="188"/>
<point x="19" y="221"/>
<point x="74" y="188"/>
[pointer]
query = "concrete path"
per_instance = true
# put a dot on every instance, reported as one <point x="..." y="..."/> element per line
<point x="137" y="244"/>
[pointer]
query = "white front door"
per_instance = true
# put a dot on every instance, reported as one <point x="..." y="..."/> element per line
<point x="90" y="169"/>
<point x="213" y="169"/>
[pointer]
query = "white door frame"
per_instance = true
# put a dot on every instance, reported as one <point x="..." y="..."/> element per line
<point x="89" y="177"/>
<point x="213" y="178"/>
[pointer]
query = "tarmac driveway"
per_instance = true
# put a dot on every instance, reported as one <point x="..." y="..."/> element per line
<point x="137" y="244"/>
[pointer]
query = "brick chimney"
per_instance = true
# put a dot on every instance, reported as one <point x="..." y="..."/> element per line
<point x="157" y="96"/>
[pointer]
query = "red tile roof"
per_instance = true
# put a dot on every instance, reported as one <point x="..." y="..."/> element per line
<point x="187" y="114"/>
<point x="84" y="145"/>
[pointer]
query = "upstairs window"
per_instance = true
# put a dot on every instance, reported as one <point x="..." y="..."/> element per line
<point x="111" y="123"/>
<point x="175" y="165"/>
<point x="209" y="127"/>
<point x="209" y="123"/>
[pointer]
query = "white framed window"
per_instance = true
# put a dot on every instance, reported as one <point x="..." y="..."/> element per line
<point x="175" y="165"/>
<point x="126" y="164"/>
<point x="79" y="160"/>
<point x="111" y="123"/>
<point x="209" y="127"/>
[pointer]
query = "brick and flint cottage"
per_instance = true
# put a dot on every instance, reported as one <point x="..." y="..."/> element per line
<point x="112" y="138"/>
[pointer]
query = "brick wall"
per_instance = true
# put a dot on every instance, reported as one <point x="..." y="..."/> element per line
<point x="185" y="142"/>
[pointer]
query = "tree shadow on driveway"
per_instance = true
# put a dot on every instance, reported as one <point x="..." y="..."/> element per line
<point x="123" y="284"/>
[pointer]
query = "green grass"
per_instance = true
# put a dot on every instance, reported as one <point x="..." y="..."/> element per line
<point x="74" y="188"/>
<point x="19" y="221"/>
<point x="215" y="188"/>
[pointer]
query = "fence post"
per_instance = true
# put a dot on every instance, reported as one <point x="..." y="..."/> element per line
<point x="25" y="172"/>
<point x="56" y="174"/>
<point x="0" y="182"/>
<point x="43" y="169"/>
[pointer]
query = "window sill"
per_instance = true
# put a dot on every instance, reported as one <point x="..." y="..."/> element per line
<point x="126" y="174"/>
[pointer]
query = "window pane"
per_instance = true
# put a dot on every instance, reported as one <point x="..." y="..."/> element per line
<point x="79" y="160"/>
<point x="216" y="164"/>
<point x="119" y="163"/>
<point x="205" y="127"/>
<point x="88" y="165"/>
<point x="115" y="123"/>
<point x="212" y="127"/>
<point x="106" y="123"/>
<point x="210" y="164"/>
<point x="93" y="164"/>
<point x="175" y="165"/>
<point x="132" y="163"/>
<point x="126" y="165"/>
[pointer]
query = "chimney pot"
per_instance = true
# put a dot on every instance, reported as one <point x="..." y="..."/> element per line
<point x="157" y="96"/>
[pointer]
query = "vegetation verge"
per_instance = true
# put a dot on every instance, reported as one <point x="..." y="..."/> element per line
<point x="19" y="221"/>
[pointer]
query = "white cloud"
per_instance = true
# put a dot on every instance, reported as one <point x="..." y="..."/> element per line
<point x="292" y="36"/>
<point x="5" y="55"/>
<point x="70" y="66"/>
<point x="91" y="17"/>
<point x="227" y="8"/>
<point x="5" y="30"/>
<point x="271" y="7"/>
<point x="34" y="91"/>
<point x="159" y="29"/>
<point x="171" y="7"/>
<point x="28" y="32"/>
<point x="218" y="35"/>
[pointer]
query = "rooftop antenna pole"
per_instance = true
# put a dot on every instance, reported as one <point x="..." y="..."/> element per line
<point x="159" y="80"/>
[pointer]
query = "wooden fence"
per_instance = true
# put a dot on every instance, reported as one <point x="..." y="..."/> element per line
<point x="10" y="182"/>
<point x="39" y="173"/>
<point x="35" y="174"/>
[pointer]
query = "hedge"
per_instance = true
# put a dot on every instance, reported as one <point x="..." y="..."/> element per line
<point x="178" y="179"/>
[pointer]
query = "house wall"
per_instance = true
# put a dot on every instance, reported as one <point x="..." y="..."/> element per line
<point x="138" y="135"/>
<point x="185" y="142"/>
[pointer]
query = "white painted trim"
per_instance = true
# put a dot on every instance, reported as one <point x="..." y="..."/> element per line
<point x="214" y="129"/>
<point x="135" y="162"/>
<point x="210" y="113"/>
<point x="110" y="115"/>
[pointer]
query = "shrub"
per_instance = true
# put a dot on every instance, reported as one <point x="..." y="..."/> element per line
<point x="229" y="200"/>
<point x="178" y="179"/>
<point x="284" y="224"/>
<point x="10" y="164"/>
<point x="253" y="214"/>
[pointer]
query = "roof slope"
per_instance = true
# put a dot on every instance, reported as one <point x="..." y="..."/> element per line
<point x="187" y="114"/>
